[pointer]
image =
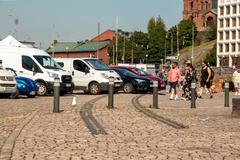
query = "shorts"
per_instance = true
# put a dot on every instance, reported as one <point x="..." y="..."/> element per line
<point x="237" y="84"/>
<point x="173" y="85"/>
<point x="207" y="84"/>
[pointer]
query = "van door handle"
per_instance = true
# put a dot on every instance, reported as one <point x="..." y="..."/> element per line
<point x="20" y="71"/>
<point x="72" y="73"/>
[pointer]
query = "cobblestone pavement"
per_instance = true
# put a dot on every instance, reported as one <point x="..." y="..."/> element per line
<point x="212" y="133"/>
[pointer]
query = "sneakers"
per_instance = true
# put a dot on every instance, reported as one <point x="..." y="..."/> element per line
<point x="236" y="93"/>
<point x="176" y="97"/>
<point x="211" y="97"/>
<point x="239" y="94"/>
<point x="173" y="97"/>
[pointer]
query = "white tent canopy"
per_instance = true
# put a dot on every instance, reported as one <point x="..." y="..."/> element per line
<point x="10" y="41"/>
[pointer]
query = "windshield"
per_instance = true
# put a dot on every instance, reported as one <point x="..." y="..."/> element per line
<point x="141" y="72"/>
<point x="97" y="64"/>
<point x="47" y="62"/>
<point x="125" y="72"/>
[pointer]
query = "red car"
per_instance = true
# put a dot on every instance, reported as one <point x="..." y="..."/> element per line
<point x="143" y="74"/>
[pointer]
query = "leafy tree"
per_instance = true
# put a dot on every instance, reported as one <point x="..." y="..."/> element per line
<point x="211" y="57"/>
<point x="156" y="35"/>
<point x="185" y="32"/>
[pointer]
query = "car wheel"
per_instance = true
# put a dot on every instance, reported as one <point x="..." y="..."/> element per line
<point x="31" y="96"/>
<point x="128" y="88"/>
<point x="42" y="89"/>
<point x="94" y="88"/>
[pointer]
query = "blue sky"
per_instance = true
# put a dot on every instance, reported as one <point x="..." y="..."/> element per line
<point x="75" y="20"/>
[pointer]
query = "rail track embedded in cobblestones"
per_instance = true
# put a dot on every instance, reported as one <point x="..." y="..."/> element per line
<point x="7" y="149"/>
<point x="147" y="112"/>
<point x="92" y="124"/>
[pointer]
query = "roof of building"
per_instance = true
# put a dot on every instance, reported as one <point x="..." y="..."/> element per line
<point x="88" y="46"/>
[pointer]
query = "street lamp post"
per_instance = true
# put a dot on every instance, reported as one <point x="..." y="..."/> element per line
<point x="146" y="57"/>
<point x="67" y="48"/>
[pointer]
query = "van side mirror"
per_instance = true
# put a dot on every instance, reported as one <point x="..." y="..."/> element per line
<point x="87" y="70"/>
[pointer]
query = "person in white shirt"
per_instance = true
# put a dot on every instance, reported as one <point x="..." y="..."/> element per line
<point x="1" y="64"/>
<point x="236" y="79"/>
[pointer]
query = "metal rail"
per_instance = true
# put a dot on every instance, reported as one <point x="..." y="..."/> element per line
<point x="92" y="124"/>
<point x="144" y="110"/>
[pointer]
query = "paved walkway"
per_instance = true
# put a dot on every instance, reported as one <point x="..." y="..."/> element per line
<point x="212" y="133"/>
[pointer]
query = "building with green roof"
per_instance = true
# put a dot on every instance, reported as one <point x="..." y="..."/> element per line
<point x="80" y="50"/>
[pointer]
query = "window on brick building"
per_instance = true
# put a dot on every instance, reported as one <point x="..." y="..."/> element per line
<point x="221" y="11"/>
<point x="233" y="34"/>
<point x="227" y="23"/>
<point x="191" y="5"/>
<point x="233" y="47"/>
<point x="220" y="35"/>
<point x="226" y="47"/>
<point x="220" y="48"/>
<point x="206" y="5"/>
<point x="234" y="22"/>
<point x="227" y="35"/>
<point x="238" y="47"/>
<point x="238" y="34"/>
<point x="234" y="9"/>
<point x="201" y="5"/>
<point x="227" y="10"/>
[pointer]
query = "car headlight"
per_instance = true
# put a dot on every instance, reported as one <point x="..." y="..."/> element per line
<point x="52" y="75"/>
<point x="140" y="80"/>
<point x="105" y="76"/>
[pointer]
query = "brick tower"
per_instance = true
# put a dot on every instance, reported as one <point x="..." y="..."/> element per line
<point x="202" y="12"/>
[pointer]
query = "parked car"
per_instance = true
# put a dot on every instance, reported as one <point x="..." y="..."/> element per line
<point x="90" y="74"/>
<point x="34" y="64"/>
<point x="25" y="86"/>
<point x="132" y="82"/>
<point x="144" y="74"/>
<point x="7" y="83"/>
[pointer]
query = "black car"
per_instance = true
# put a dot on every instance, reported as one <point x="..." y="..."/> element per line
<point x="132" y="82"/>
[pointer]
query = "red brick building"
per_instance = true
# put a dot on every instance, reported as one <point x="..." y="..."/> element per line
<point x="202" y="12"/>
<point x="108" y="35"/>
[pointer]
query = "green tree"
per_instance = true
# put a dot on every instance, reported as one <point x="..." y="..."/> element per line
<point x="156" y="35"/>
<point x="185" y="28"/>
<point x="211" y="57"/>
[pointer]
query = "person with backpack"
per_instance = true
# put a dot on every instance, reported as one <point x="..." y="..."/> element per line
<point x="207" y="75"/>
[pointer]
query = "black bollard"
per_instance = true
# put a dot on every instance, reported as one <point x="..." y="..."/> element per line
<point x="111" y="93"/>
<point x="155" y="94"/>
<point x="193" y="95"/>
<point x="226" y="97"/>
<point x="56" y="93"/>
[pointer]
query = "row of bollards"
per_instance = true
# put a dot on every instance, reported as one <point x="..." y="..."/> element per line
<point x="155" y="95"/>
<point x="194" y="95"/>
<point x="111" y="94"/>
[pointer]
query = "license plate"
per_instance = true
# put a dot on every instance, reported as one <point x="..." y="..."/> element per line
<point x="68" y="85"/>
<point x="32" y="93"/>
<point x="117" y="85"/>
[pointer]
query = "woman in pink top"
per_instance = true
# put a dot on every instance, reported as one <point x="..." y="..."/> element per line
<point x="174" y="76"/>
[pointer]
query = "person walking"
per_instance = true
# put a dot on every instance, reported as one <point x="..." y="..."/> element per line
<point x="1" y="67"/>
<point x="174" y="76"/>
<point x="236" y="80"/>
<point x="190" y="76"/>
<point x="206" y="79"/>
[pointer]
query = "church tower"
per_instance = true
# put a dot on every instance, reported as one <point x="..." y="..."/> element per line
<point x="202" y="12"/>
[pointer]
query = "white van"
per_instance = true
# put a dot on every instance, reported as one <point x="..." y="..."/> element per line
<point x="90" y="74"/>
<point x="7" y="83"/>
<point x="34" y="64"/>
